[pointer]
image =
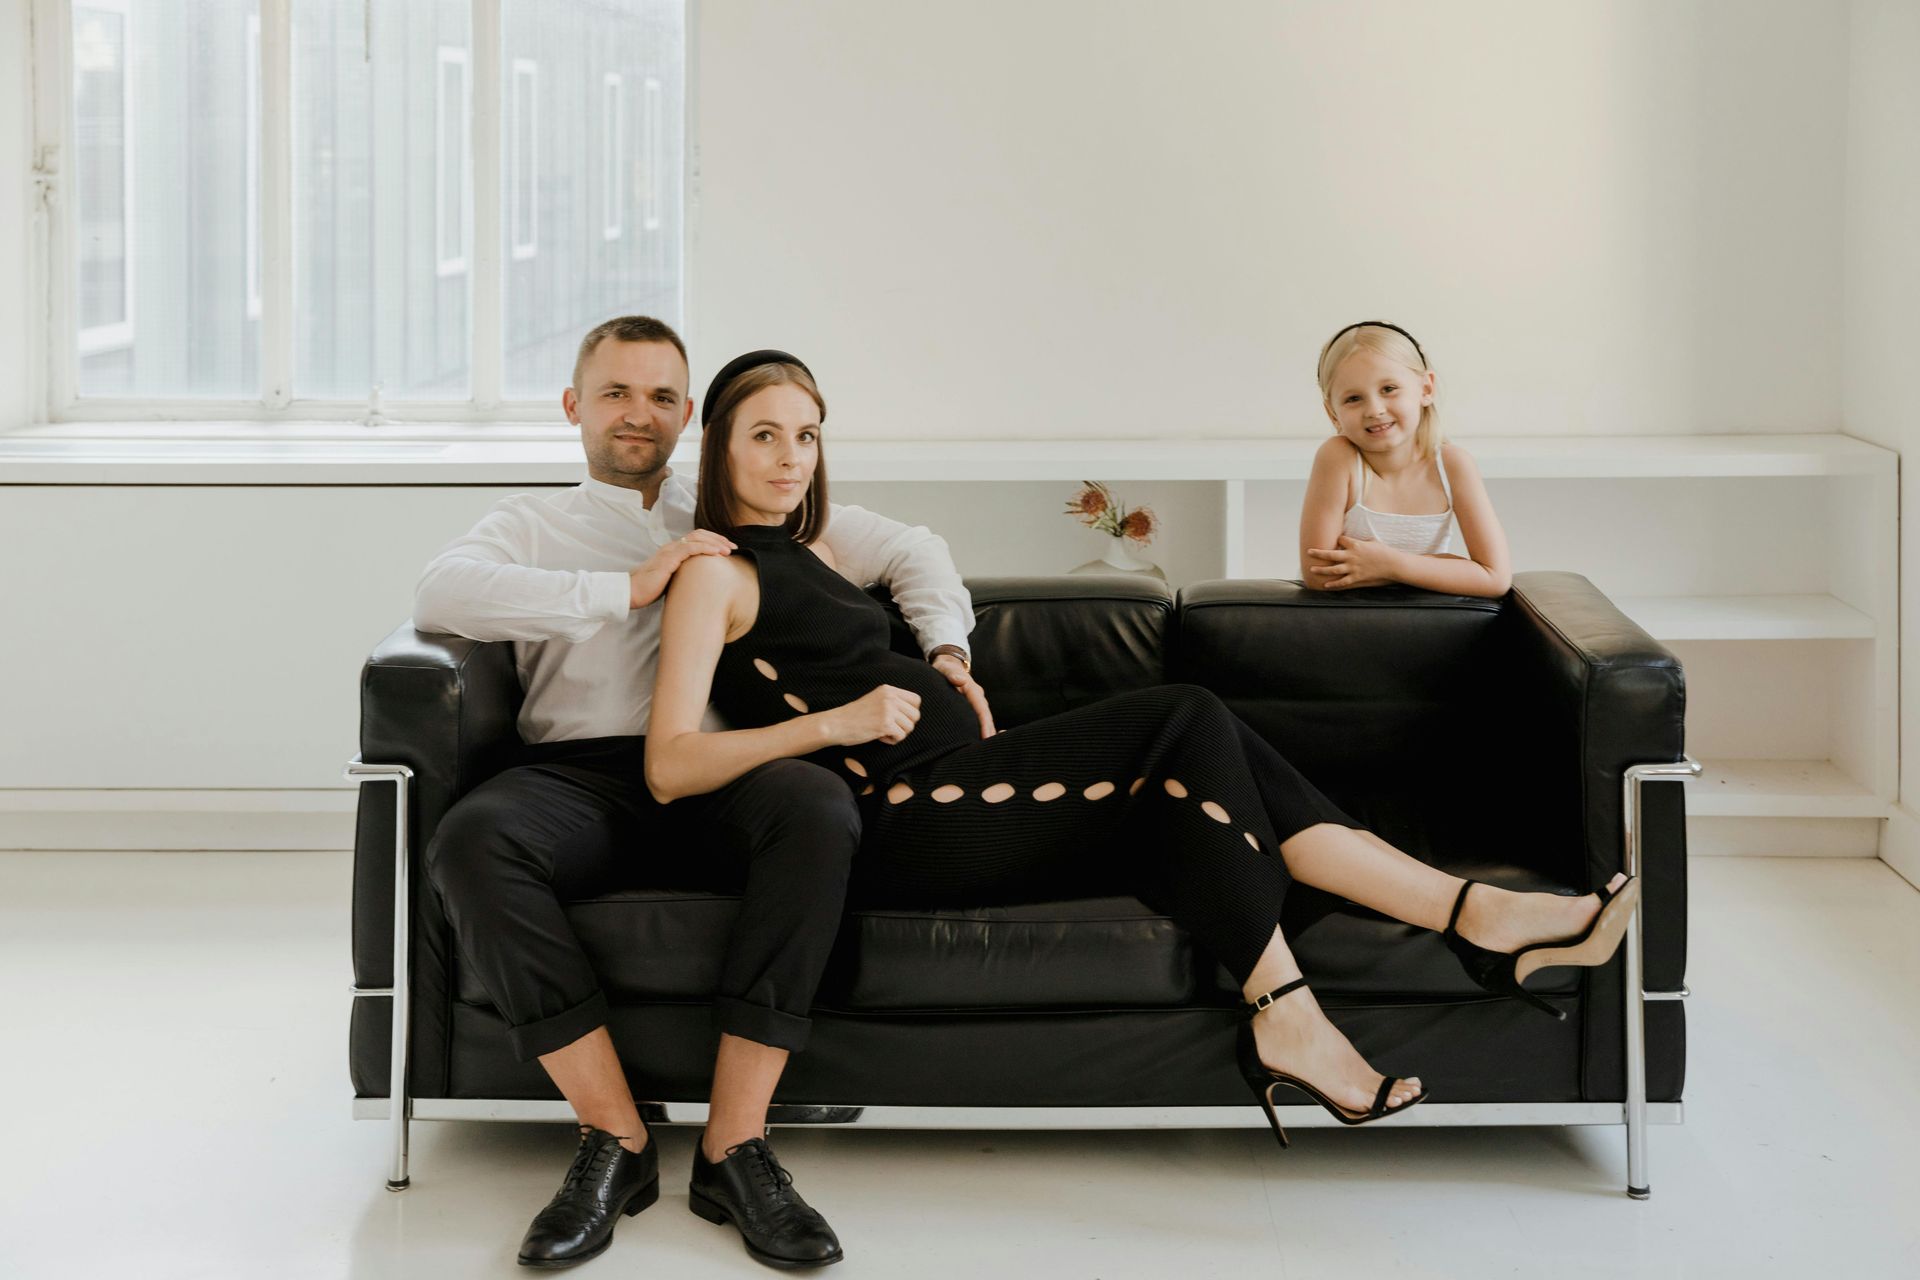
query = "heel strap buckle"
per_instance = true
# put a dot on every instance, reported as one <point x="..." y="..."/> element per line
<point x="1262" y="1002"/>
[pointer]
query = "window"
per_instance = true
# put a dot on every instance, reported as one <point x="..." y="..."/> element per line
<point x="587" y="179"/>
<point x="613" y="159"/>
<point x="104" y="176"/>
<point x="155" y="219"/>
<point x="253" y="163"/>
<point x="450" y="160"/>
<point x="655" y="154"/>
<point x="317" y="198"/>
<point x="523" y="175"/>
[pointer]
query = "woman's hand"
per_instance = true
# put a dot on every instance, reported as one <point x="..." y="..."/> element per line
<point x="1353" y="562"/>
<point x="651" y="578"/>
<point x="887" y="714"/>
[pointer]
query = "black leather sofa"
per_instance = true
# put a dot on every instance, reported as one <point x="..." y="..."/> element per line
<point x="1492" y="738"/>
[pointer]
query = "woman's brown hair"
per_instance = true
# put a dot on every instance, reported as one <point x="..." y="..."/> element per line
<point x="716" y="508"/>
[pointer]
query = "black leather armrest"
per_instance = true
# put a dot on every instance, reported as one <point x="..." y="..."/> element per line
<point x="1589" y="669"/>
<point x="1606" y="695"/>
<point x="445" y="707"/>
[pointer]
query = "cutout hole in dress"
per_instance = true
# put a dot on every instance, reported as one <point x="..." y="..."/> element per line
<point x="796" y="704"/>
<point x="1049" y="791"/>
<point x="765" y="668"/>
<point x="1175" y="788"/>
<point x="898" y="792"/>
<point x="1215" y="812"/>
<point x="1098" y="791"/>
<point x="948" y="794"/>
<point x="854" y="766"/>
<point x="1138" y="783"/>
<point x="997" y="792"/>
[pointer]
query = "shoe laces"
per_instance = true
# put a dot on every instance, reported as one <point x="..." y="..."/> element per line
<point x="590" y="1161"/>
<point x="766" y="1169"/>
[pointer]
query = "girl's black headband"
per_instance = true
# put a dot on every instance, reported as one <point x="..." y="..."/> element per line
<point x="739" y="365"/>
<point x="1377" y="324"/>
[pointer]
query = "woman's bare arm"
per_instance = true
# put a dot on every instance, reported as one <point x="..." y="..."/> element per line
<point x="704" y="601"/>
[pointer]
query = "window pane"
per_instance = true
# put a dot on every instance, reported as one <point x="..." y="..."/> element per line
<point x="600" y="176"/>
<point x="164" y="102"/>
<point x="382" y="286"/>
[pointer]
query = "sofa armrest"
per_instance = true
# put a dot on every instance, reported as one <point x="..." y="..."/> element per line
<point x="1587" y="667"/>
<point x="445" y="708"/>
<point x="1583" y="663"/>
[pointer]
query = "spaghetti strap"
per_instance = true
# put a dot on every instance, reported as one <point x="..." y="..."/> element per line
<point x="1440" y="458"/>
<point x="1360" y="480"/>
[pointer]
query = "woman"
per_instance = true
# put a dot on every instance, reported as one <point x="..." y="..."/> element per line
<point x="1163" y="793"/>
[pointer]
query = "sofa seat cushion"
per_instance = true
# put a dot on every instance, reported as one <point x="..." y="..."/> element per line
<point x="658" y="945"/>
<point x="1086" y="954"/>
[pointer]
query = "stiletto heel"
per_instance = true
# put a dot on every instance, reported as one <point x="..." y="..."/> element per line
<point x="1261" y="1078"/>
<point x="1503" y="972"/>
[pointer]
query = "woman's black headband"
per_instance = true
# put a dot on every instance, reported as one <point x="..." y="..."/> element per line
<point x="739" y="365"/>
<point x="1377" y="324"/>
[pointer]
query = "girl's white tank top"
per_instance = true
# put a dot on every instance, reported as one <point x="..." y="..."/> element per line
<point x="1429" y="535"/>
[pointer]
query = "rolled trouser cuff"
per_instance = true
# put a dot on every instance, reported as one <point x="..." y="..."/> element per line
<point x="559" y="1031"/>
<point x="760" y="1024"/>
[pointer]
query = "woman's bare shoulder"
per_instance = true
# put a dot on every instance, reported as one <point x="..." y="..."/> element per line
<point x="719" y="575"/>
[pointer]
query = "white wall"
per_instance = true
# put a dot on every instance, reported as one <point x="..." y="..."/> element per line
<point x="16" y="188"/>
<point x="1083" y="218"/>
<point x="1882" y="286"/>
<point x="1130" y="218"/>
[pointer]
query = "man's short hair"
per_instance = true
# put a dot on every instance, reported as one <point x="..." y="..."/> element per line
<point x="626" y="329"/>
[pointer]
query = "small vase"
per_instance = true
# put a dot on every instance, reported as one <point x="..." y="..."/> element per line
<point x="1119" y="558"/>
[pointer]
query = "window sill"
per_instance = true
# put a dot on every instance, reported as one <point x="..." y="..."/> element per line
<point x="238" y="453"/>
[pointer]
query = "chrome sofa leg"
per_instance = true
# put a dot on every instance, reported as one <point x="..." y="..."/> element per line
<point x="399" y="1103"/>
<point x="1636" y="992"/>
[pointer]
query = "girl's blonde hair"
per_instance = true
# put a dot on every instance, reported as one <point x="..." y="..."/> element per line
<point x="1397" y="345"/>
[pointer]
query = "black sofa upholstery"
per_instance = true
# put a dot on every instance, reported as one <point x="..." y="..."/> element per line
<point x="1486" y="737"/>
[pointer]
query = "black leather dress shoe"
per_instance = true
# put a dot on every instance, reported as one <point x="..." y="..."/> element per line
<point x="750" y="1189"/>
<point x="606" y="1180"/>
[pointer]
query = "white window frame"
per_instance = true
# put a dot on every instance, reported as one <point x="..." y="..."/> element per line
<point x="613" y="150"/>
<point x="653" y="118"/>
<point x="253" y="164"/>
<point x="524" y="169"/>
<point x="55" y="355"/>
<point x="452" y="258"/>
<point x="117" y="336"/>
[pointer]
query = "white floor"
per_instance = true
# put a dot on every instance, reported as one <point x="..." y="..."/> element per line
<point x="176" y="1100"/>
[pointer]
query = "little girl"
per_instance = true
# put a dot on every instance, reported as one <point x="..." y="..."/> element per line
<point x="1386" y="489"/>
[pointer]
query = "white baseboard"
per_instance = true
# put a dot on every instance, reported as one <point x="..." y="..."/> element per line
<point x="175" y="819"/>
<point x="1900" y="849"/>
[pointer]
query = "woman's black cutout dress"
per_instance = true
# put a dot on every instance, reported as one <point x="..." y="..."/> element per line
<point x="1162" y="793"/>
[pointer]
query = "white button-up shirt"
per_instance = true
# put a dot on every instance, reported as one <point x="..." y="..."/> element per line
<point x="549" y="572"/>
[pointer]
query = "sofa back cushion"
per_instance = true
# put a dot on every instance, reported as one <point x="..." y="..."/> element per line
<point x="1043" y="645"/>
<point x="1347" y="685"/>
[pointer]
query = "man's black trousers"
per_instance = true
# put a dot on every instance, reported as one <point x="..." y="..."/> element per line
<point x="569" y="820"/>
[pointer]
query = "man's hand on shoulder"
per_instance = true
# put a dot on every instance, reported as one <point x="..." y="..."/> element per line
<point x="960" y="678"/>
<point x="650" y="579"/>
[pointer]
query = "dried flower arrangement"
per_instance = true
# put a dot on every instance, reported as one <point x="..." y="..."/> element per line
<point x="1097" y="508"/>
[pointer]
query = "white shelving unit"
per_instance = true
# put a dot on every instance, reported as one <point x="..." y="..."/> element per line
<point x="1768" y="562"/>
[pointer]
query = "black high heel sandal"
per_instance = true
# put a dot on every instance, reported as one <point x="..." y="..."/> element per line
<point x="1261" y="1078"/>
<point x="1502" y="972"/>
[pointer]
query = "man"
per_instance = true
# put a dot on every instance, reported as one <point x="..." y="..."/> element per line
<point x="574" y="579"/>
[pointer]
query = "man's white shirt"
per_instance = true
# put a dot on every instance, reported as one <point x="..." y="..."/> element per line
<point x="550" y="573"/>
